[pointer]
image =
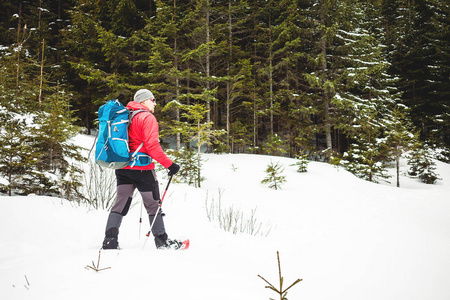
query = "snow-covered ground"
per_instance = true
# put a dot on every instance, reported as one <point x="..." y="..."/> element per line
<point x="346" y="238"/>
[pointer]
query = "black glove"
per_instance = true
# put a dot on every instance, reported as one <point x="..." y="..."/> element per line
<point x="173" y="169"/>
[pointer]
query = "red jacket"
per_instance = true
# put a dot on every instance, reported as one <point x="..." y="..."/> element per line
<point x="144" y="128"/>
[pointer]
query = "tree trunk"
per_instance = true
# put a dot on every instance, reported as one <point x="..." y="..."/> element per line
<point x="326" y="99"/>
<point x="270" y="76"/>
<point x="177" y="79"/>
<point x="208" y="75"/>
<point x="199" y="146"/>
<point x="228" y="100"/>
<point x="42" y="74"/>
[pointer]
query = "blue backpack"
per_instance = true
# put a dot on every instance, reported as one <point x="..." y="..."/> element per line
<point x="111" y="147"/>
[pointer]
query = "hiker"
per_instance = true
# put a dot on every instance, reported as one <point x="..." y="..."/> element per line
<point x="142" y="129"/>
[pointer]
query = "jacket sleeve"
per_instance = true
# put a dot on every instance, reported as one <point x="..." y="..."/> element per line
<point x="150" y="132"/>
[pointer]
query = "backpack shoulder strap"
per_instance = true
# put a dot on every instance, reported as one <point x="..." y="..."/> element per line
<point x="133" y="113"/>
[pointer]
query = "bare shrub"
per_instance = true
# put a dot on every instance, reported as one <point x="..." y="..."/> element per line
<point x="233" y="220"/>
<point x="99" y="190"/>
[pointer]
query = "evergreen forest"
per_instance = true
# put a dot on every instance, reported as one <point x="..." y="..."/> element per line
<point x="350" y="82"/>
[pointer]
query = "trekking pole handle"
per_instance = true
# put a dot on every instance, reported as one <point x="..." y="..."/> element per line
<point x="165" y="191"/>
<point x="168" y="183"/>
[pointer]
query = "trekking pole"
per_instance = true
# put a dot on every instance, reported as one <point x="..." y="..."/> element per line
<point x="157" y="211"/>
<point x="140" y="218"/>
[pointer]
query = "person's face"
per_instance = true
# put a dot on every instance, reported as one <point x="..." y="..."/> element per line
<point x="150" y="104"/>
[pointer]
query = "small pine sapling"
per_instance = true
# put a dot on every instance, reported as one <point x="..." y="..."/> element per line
<point x="301" y="163"/>
<point x="190" y="173"/>
<point x="280" y="290"/>
<point x="274" y="177"/>
<point x="422" y="165"/>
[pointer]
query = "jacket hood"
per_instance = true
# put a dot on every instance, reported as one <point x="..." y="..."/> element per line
<point x="133" y="105"/>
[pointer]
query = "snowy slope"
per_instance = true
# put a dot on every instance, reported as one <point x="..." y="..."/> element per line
<point x="345" y="237"/>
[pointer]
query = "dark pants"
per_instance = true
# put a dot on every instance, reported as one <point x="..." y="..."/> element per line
<point x="147" y="185"/>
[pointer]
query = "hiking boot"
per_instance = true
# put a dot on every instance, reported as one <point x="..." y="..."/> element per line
<point x="173" y="244"/>
<point x="111" y="241"/>
<point x="170" y="245"/>
<point x="162" y="242"/>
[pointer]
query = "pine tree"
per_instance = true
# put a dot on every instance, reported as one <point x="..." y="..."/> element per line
<point x="309" y="71"/>
<point x="18" y="95"/>
<point x="422" y="164"/>
<point x="191" y="163"/>
<point x="254" y="108"/>
<point x="275" y="145"/>
<point x="101" y="47"/>
<point x="168" y="27"/>
<point x="399" y="138"/>
<point x="238" y="73"/>
<point x="52" y="138"/>
<point x="239" y="92"/>
<point x="367" y="155"/>
<point x="420" y="59"/>
<point x="85" y="63"/>
<point x="266" y="72"/>
<point x="200" y="57"/>
<point x="292" y="105"/>
<point x="439" y="38"/>
<point x="35" y="160"/>
<point x="274" y="178"/>
<point x="195" y="129"/>
<point x="321" y="75"/>
<point x="18" y="159"/>
<point x="241" y="137"/>
<point x="301" y="163"/>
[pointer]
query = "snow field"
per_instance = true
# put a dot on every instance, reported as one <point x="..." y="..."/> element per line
<point x="345" y="237"/>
